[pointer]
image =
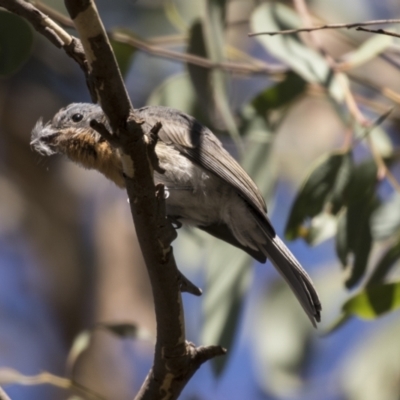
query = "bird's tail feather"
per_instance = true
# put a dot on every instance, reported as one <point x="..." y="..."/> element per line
<point x="294" y="274"/>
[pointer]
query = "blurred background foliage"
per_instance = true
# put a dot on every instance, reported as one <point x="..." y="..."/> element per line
<point x="305" y="114"/>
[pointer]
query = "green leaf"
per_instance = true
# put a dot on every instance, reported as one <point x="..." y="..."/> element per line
<point x="227" y="268"/>
<point x="213" y="24"/>
<point x="16" y="41"/>
<point x="390" y="258"/>
<point x="368" y="50"/>
<point x="342" y="181"/>
<point x="200" y="76"/>
<point x="386" y="219"/>
<point x="282" y="93"/>
<point x="80" y="344"/>
<point x="281" y="335"/>
<point x="359" y="239"/>
<point x="316" y="192"/>
<point x="374" y="301"/>
<point x="166" y="94"/>
<point x="362" y="182"/>
<point x="306" y="62"/>
<point x="124" y="54"/>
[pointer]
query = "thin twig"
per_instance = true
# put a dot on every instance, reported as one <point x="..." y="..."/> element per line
<point x="379" y="32"/>
<point x="230" y="66"/>
<point x="328" y="26"/>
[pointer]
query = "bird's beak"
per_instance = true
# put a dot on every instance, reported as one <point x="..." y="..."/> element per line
<point x="43" y="138"/>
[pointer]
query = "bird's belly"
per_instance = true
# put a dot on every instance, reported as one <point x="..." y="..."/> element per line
<point x="192" y="207"/>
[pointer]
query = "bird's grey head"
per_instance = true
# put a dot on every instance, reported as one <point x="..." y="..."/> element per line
<point x="76" y="117"/>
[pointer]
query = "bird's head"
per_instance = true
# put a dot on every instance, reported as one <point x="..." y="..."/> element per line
<point x="70" y="133"/>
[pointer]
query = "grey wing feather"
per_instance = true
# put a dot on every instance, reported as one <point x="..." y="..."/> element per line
<point x="200" y="145"/>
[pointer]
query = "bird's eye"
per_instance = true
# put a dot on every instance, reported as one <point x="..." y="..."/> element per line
<point x="77" y="117"/>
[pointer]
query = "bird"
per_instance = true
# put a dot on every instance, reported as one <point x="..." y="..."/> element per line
<point x="204" y="185"/>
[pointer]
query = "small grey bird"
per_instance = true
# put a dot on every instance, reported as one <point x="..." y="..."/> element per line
<point x="204" y="184"/>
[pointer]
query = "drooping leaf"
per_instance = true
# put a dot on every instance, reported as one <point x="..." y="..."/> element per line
<point x="387" y="261"/>
<point x="281" y="335"/>
<point x="359" y="239"/>
<point x="386" y="219"/>
<point x="200" y="76"/>
<point x="354" y="237"/>
<point x="16" y="41"/>
<point x="214" y="32"/>
<point x="228" y="269"/>
<point x="282" y="93"/>
<point x="79" y="346"/>
<point x="374" y="301"/>
<point x="367" y="51"/>
<point x="166" y="94"/>
<point x="306" y="62"/>
<point x="317" y="190"/>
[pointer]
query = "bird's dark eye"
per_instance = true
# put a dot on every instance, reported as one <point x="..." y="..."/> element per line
<point x="77" y="117"/>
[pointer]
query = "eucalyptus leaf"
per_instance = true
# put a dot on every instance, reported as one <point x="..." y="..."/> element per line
<point x="354" y="237"/>
<point x="359" y="239"/>
<point x="316" y="191"/>
<point x="384" y="265"/>
<point x="213" y="24"/>
<point x="367" y="51"/>
<point x="374" y="301"/>
<point x="279" y="95"/>
<point x="306" y="62"/>
<point x="386" y="219"/>
<point x="200" y="76"/>
<point x="16" y="39"/>
<point x="280" y="337"/>
<point x="176" y="92"/>
<point x="227" y="268"/>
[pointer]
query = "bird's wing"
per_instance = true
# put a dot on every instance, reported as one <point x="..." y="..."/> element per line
<point x="201" y="146"/>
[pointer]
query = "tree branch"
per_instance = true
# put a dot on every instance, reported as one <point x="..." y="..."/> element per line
<point x="175" y="360"/>
<point x="328" y="26"/>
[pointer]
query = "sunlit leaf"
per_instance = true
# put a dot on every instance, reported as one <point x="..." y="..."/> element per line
<point x="367" y="51"/>
<point x="214" y="25"/>
<point x="79" y="346"/>
<point x="166" y="94"/>
<point x="16" y="40"/>
<point x="322" y="227"/>
<point x="280" y="94"/>
<point x="374" y="301"/>
<point x="305" y="61"/>
<point x="386" y="219"/>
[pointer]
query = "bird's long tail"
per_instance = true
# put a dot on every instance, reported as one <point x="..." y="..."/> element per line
<point x="294" y="274"/>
